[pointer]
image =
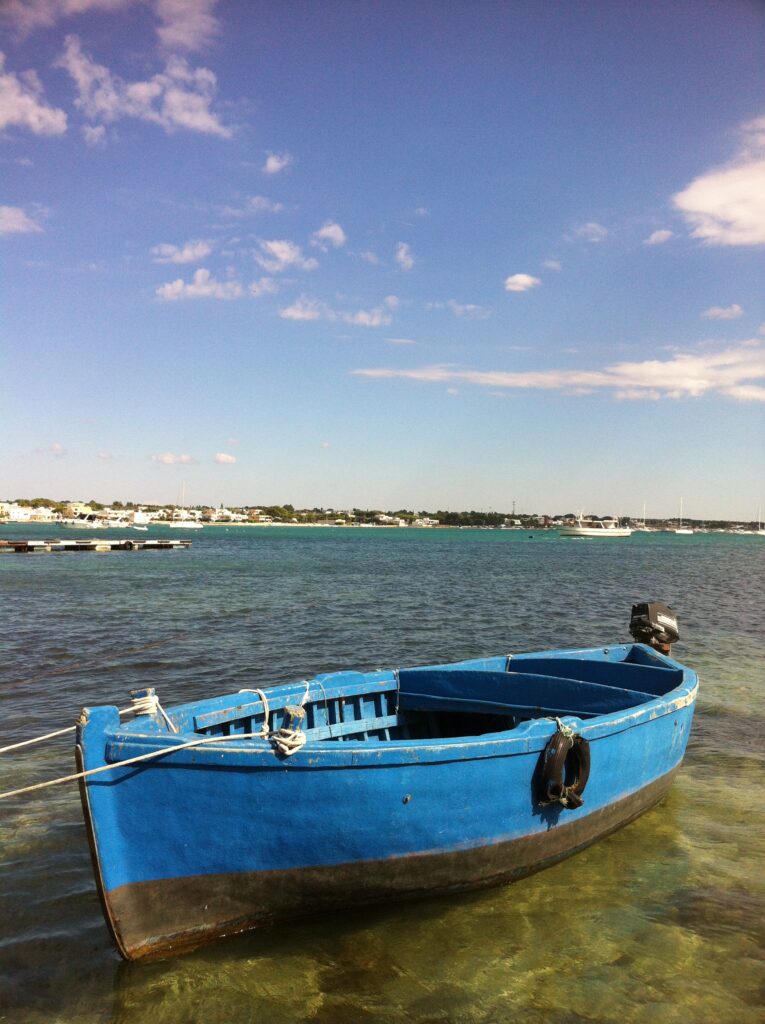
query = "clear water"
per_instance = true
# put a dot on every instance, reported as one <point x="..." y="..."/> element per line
<point x="664" y="921"/>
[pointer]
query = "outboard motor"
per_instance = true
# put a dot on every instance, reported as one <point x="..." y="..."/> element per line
<point x="654" y="624"/>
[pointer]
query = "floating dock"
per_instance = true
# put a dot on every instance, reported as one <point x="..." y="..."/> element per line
<point x="31" y="547"/>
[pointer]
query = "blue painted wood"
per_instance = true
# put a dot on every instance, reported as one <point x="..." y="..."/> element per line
<point x="366" y="751"/>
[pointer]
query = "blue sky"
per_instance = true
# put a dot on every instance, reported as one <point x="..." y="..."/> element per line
<point x="452" y="255"/>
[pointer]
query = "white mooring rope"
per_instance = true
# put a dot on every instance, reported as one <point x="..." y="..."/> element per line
<point x="148" y="705"/>
<point x="130" y="760"/>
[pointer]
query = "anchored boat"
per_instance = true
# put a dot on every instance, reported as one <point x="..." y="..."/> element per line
<point x="349" y="788"/>
<point x="591" y="526"/>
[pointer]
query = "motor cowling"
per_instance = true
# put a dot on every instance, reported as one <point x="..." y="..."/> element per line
<point x="654" y="624"/>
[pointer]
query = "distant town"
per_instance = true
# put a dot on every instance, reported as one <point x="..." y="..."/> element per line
<point x="116" y="514"/>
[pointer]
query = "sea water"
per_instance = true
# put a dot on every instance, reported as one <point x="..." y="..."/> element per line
<point x="663" y="921"/>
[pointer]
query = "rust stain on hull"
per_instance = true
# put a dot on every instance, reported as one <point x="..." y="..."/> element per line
<point x="151" y="920"/>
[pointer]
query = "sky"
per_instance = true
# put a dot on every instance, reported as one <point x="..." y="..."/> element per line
<point x="384" y="254"/>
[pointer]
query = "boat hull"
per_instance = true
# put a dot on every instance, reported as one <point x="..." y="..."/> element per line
<point x="585" y="531"/>
<point x="169" y="916"/>
<point x="214" y="840"/>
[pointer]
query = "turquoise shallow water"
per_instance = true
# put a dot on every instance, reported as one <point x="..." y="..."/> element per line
<point x="664" y="921"/>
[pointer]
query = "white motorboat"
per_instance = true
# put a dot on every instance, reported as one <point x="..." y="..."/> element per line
<point x="85" y="521"/>
<point x="591" y="526"/>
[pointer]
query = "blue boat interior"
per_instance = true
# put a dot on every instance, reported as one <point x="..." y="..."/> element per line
<point x="469" y="699"/>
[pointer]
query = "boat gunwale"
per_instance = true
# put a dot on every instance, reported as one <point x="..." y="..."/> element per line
<point x="529" y="737"/>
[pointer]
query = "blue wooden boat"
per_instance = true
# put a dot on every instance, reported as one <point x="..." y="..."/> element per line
<point x="353" y="788"/>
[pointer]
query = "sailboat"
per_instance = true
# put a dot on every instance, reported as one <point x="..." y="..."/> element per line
<point x="760" y="531"/>
<point x="641" y="526"/>
<point x="185" y="522"/>
<point x="681" y="528"/>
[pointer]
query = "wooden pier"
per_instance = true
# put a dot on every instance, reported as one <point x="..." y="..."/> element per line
<point x="30" y="547"/>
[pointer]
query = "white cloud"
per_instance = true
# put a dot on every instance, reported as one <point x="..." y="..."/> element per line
<point x="737" y="373"/>
<point x="253" y="205"/>
<point x="14" y="221"/>
<point x="370" y="257"/>
<point x="303" y="309"/>
<point x="521" y="282"/>
<point x="591" y="232"/>
<point x="468" y="311"/>
<point x="261" y="204"/>
<point x="278" y="254"/>
<point x="171" y="459"/>
<point x="723" y="312"/>
<point x="401" y="341"/>
<point x="311" y="309"/>
<point x="26" y="16"/>
<point x="330" y="234"/>
<point x="367" y="318"/>
<point x="225" y="460"/>
<point x="202" y="286"/>
<point x="263" y="286"/>
<point x="183" y="24"/>
<point x="178" y="98"/>
<point x="404" y="256"/>
<point x="191" y="252"/>
<point x="658" y="237"/>
<point x="392" y="301"/>
<point x="552" y="264"/>
<point x="55" y="450"/>
<point x="726" y="206"/>
<point x="276" y="162"/>
<point x="22" y="104"/>
<point x="186" y="24"/>
<point x="94" y="134"/>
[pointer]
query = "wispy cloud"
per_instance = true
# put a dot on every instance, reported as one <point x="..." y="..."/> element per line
<point x="737" y="373"/>
<point x="521" y="282"/>
<point x="276" y="163"/>
<point x="370" y="257"/>
<point x="178" y="98"/>
<point x="186" y="24"/>
<point x="658" y="237"/>
<point x="171" y="459"/>
<point x="726" y="205"/>
<point x="14" y="221"/>
<point x="202" y="286"/>
<point x="401" y="341"/>
<point x="94" y="134"/>
<point x="330" y="235"/>
<point x="303" y="309"/>
<point x="105" y="456"/>
<point x="182" y="24"/>
<point x="262" y="204"/>
<point x="463" y="310"/>
<point x="590" y="232"/>
<point x="55" y="451"/>
<point x="225" y="460"/>
<point x="263" y="286"/>
<point x="552" y="264"/>
<point x="278" y="254"/>
<point x="376" y="317"/>
<point x="312" y="309"/>
<point x="190" y="252"/>
<point x="252" y="206"/>
<point x="723" y="312"/>
<point x="22" y="104"/>
<point x="404" y="256"/>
